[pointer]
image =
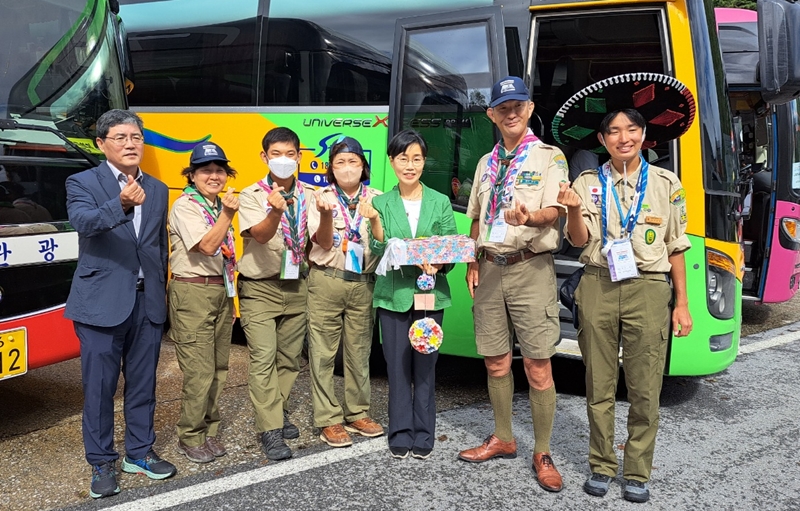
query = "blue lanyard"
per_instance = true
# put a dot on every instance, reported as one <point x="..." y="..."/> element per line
<point x="627" y="221"/>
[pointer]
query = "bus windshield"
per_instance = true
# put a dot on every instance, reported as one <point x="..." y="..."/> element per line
<point x="59" y="63"/>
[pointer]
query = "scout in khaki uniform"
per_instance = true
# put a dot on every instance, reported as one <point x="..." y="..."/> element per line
<point x="202" y="259"/>
<point x="273" y="220"/>
<point x="513" y="209"/>
<point x="340" y="286"/>
<point x="630" y="219"/>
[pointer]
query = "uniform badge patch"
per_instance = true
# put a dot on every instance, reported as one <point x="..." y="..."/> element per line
<point x="678" y="197"/>
<point x="649" y="236"/>
<point x="337" y="239"/>
<point x="561" y="161"/>
<point x="683" y="214"/>
<point x="529" y="178"/>
<point x="653" y="220"/>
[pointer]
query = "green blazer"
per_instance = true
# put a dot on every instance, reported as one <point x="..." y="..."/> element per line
<point x="395" y="291"/>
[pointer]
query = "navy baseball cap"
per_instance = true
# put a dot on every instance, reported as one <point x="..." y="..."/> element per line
<point x="206" y="152"/>
<point x="353" y="145"/>
<point x="509" y="88"/>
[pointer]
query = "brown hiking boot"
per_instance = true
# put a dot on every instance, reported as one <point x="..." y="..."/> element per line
<point x="335" y="436"/>
<point x="365" y="427"/>
<point x="492" y="447"/>
<point x="546" y="472"/>
<point x="215" y="446"/>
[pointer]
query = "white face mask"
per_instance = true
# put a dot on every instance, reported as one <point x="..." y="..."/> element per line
<point x="348" y="177"/>
<point x="283" y="167"/>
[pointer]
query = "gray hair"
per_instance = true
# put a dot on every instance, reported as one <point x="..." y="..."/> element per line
<point x="116" y="117"/>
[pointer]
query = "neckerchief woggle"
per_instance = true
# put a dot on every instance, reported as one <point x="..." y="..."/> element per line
<point x="352" y="229"/>
<point x="507" y="183"/>
<point x="227" y="248"/>
<point x="293" y="225"/>
<point x="628" y="221"/>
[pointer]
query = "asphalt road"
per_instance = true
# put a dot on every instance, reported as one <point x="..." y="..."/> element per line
<point x="726" y="442"/>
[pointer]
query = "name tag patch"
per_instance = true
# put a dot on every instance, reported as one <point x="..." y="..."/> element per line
<point x="653" y="220"/>
<point x="529" y="178"/>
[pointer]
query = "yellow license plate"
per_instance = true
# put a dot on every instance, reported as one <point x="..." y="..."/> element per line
<point x="13" y="353"/>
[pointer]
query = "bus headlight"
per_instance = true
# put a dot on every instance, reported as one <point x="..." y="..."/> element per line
<point x="789" y="228"/>
<point x="720" y="284"/>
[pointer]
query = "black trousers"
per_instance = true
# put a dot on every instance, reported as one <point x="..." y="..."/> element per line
<point x="412" y="381"/>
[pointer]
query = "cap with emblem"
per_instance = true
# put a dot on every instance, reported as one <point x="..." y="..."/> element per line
<point x="352" y="145"/>
<point x="507" y="89"/>
<point x="206" y="152"/>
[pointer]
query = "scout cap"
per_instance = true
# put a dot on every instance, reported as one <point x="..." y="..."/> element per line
<point x="206" y="152"/>
<point x="507" y="89"/>
<point x="353" y="145"/>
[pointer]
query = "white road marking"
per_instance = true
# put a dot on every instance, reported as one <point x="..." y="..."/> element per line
<point x="780" y="340"/>
<point x="272" y="470"/>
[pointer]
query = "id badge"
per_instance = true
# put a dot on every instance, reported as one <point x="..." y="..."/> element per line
<point x="621" y="263"/>
<point x="498" y="230"/>
<point x="230" y="287"/>
<point x="289" y="270"/>
<point x="354" y="258"/>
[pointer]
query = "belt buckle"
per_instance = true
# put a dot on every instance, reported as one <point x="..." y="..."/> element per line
<point x="500" y="260"/>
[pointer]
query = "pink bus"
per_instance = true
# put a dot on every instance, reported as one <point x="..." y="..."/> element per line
<point x="769" y="139"/>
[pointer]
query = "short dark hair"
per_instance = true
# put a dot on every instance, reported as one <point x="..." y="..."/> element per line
<point x="230" y="171"/>
<point x="116" y="117"/>
<point x="276" y="135"/>
<point x="405" y="139"/>
<point x="339" y="148"/>
<point x="632" y="114"/>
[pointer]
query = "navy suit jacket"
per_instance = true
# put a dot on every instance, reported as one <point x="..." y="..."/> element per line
<point x="103" y="289"/>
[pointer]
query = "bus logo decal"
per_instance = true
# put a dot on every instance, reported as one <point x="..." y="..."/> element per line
<point x="161" y="141"/>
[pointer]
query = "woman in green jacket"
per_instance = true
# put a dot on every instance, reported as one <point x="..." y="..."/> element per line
<point x="409" y="210"/>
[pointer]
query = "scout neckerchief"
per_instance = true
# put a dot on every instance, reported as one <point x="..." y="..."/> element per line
<point x="502" y="189"/>
<point x="227" y="248"/>
<point x="293" y="224"/>
<point x="627" y="221"/>
<point x="348" y="207"/>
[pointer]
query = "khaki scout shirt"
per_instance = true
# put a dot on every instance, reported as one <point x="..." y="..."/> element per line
<point x="537" y="185"/>
<point x="660" y="230"/>
<point x="187" y="225"/>
<point x="335" y="257"/>
<point x="261" y="261"/>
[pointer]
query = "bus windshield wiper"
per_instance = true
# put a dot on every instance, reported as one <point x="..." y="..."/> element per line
<point x="10" y="124"/>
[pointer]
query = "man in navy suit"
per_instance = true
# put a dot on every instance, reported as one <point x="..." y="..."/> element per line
<point x="118" y="299"/>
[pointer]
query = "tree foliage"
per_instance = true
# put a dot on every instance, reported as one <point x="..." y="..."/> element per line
<point x="740" y="4"/>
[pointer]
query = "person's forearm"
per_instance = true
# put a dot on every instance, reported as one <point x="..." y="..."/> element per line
<point x="263" y="231"/>
<point x="678" y="275"/>
<point x="542" y="217"/>
<point x="377" y="228"/>
<point x="578" y="232"/>
<point x="212" y="240"/>
<point x="324" y="234"/>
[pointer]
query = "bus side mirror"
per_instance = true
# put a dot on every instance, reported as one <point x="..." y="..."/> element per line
<point x="779" y="50"/>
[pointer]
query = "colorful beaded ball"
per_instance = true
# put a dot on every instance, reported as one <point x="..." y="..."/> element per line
<point x="425" y="335"/>
<point x="426" y="282"/>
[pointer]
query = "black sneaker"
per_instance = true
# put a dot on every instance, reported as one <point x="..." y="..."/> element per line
<point x="420" y="453"/>
<point x="290" y="431"/>
<point x="273" y="445"/>
<point x="151" y="465"/>
<point x="597" y="484"/>
<point x="635" y="491"/>
<point x="399" y="453"/>
<point x="104" y="480"/>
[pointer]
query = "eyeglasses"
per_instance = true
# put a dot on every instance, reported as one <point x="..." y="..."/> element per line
<point x="120" y="140"/>
<point x="403" y="161"/>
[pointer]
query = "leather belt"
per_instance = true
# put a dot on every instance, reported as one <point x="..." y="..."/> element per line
<point x="346" y="275"/>
<point x="140" y="285"/>
<point x="215" y="281"/>
<point x="508" y="259"/>
<point x="277" y="276"/>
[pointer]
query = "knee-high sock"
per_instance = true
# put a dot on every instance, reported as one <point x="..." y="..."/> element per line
<point x="501" y="395"/>
<point x="543" y="412"/>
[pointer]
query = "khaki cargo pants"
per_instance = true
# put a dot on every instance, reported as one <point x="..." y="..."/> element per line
<point x="633" y="314"/>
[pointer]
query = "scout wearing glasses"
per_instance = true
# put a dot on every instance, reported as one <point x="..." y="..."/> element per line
<point x="340" y="286"/>
<point x="630" y="218"/>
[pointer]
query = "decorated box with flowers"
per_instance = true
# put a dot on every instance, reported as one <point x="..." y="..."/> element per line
<point x="456" y="248"/>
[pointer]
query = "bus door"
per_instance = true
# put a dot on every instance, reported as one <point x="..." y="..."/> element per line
<point x="443" y="69"/>
<point x="782" y="261"/>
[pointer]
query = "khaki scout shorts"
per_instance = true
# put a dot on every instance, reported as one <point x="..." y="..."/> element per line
<point x="519" y="298"/>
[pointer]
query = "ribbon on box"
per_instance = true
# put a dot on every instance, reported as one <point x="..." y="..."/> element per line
<point x="395" y="256"/>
